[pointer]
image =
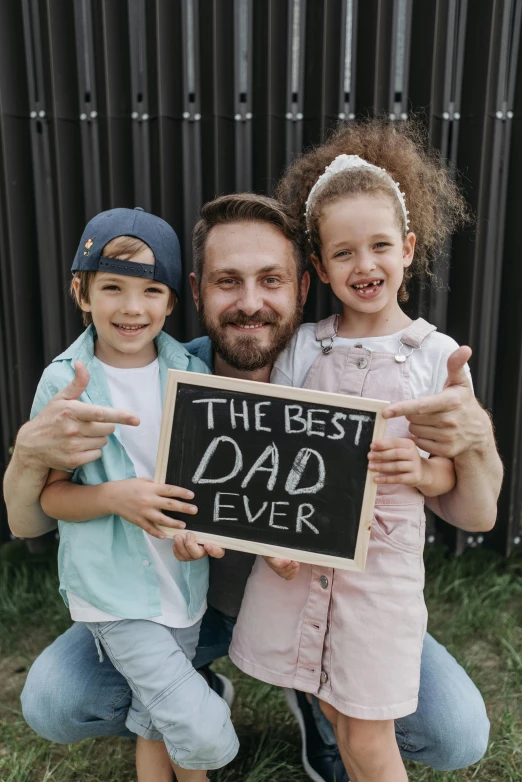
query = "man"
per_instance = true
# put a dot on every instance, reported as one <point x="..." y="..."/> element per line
<point x="249" y="285"/>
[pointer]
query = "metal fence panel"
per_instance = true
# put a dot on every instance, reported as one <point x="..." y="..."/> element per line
<point x="167" y="103"/>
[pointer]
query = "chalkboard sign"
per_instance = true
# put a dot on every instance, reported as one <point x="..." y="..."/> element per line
<point x="275" y="470"/>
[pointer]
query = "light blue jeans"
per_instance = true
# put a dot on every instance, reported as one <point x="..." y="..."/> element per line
<point x="69" y="695"/>
<point x="170" y="702"/>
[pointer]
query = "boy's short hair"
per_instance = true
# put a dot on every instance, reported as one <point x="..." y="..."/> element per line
<point x="121" y="245"/>
<point x="245" y="207"/>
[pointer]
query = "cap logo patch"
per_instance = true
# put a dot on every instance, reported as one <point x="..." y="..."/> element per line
<point x="88" y="244"/>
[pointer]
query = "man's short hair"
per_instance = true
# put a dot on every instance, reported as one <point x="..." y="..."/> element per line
<point x="245" y="207"/>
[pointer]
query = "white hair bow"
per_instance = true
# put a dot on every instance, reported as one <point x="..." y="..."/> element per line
<point x="345" y="163"/>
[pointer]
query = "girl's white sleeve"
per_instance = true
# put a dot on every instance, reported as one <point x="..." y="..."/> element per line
<point x="283" y="369"/>
<point x="446" y="348"/>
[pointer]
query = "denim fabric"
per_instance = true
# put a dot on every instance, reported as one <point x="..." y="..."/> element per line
<point x="105" y="561"/>
<point x="69" y="696"/>
<point x="202" y="348"/>
<point x="170" y="702"/>
<point x="450" y="728"/>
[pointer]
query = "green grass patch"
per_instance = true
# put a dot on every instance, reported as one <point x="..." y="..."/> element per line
<point x="475" y="605"/>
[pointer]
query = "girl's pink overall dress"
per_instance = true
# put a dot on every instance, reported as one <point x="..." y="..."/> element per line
<point x="353" y="639"/>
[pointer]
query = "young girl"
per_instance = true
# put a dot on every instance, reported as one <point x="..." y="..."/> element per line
<point x="117" y="571"/>
<point x="376" y="207"/>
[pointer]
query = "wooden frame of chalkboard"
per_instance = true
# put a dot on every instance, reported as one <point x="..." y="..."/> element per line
<point x="344" y="425"/>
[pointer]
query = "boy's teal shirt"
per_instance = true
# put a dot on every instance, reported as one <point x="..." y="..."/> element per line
<point x="105" y="560"/>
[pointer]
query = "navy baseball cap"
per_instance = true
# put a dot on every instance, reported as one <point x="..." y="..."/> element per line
<point x="155" y="232"/>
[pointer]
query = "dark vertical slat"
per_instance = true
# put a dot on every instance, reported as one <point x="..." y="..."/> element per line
<point x="323" y="61"/>
<point x="216" y="24"/>
<point x="270" y="94"/>
<point x="348" y="59"/>
<point x="88" y="106"/>
<point x="324" y="72"/>
<point x="36" y="33"/>
<point x="474" y="278"/>
<point x="507" y="409"/>
<point x="117" y="123"/>
<point x="374" y="56"/>
<point x="141" y="105"/>
<point x="66" y="153"/>
<point x="192" y="177"/>
<point x="20" y="310"/>
<point x="21" y="347"/>
<point x="243" y="67"/>
<point x="167" y="149"/>
<point x="295" y="75"/>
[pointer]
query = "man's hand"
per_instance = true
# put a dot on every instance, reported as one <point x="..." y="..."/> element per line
<point x="450" y="423"/>
<point x="286" y="568"/>
<point x="68" y="433"/>
<point x="141" y="501"/>
<point x="454" y="425"/>
<point x="187" y="550"/>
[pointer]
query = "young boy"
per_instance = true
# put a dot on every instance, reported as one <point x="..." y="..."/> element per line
<point x="143" y="607"/>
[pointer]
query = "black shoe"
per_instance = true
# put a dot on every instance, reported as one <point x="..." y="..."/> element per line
<point x="322" y="762"/>
<point x="219" y="683"/>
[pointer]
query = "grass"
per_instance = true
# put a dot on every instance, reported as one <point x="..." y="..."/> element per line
<point x="475" y="606"/>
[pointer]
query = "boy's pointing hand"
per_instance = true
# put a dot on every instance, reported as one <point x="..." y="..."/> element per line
<point x="68" y="433"/>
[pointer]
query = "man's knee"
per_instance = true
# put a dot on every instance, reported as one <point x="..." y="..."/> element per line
<point x="43" y="711"/>
<point x="69" y="695"/>
<point x="450" y="728"/>
<point x="462" y="741"/>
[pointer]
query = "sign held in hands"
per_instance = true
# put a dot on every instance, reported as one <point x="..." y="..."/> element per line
<point x="275" y="470"/>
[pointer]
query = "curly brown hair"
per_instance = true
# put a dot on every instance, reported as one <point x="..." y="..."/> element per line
<point x="434" y="201"/>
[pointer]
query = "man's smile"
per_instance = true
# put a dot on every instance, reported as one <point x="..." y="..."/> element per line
<point x="248" y="326"/>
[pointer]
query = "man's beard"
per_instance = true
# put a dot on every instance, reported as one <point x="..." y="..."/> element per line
<point x="243" y="352"/>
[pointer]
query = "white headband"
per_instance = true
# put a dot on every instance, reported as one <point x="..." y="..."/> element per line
<point x="346" y="162"/>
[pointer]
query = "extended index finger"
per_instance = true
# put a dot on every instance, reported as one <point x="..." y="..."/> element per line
<point x="103" y="415"/>
<point x="425" y="405"/>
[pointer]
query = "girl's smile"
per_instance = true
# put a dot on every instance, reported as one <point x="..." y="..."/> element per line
<point x="363" y="257"/>
<point x="368" y="289"/>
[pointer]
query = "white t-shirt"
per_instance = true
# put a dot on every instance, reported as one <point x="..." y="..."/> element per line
<point x="428" y="366"/>
<point x="139" y="391"/>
